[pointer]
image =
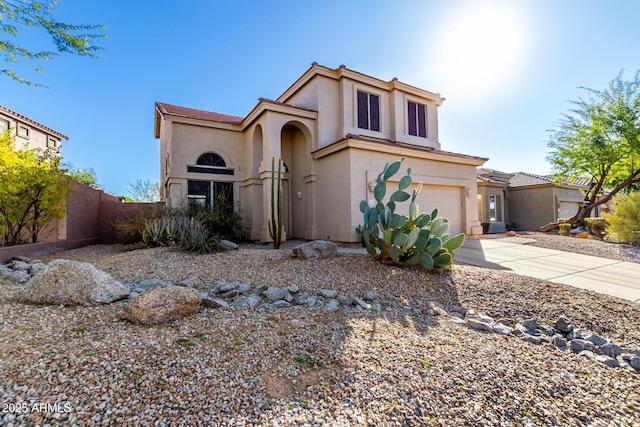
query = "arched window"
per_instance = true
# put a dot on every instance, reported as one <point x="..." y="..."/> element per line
<point x="210" y="163"/>
<point x="211" y="159"/>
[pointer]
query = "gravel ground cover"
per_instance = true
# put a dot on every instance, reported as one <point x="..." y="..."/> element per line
<point x="308" y="366"/>
<point x="593" y="247"/>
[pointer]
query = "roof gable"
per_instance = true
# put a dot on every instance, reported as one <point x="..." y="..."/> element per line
<point x="191" y="113"/>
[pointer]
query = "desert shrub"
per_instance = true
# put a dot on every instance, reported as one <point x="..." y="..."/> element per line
<point x="394" y="239"/>
<point x="564" y="229"/>
<point x="596" y="226"/>
<point x="129" y="230"/>
<point x="187" y="233"/>
<point x="624" y="221"/>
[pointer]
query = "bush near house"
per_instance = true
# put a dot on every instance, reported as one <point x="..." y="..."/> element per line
<point x="624" y="222"/>
<point x="564" y="230"/>
<point x="596" y="226"/>
<point x="394" y="239"/>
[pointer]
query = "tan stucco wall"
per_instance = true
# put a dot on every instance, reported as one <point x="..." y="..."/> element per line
<point x="38" y="139"/>
<point x="487" y="190"/>
<point x="334" y="198"/>
<point x="531" y="207"/>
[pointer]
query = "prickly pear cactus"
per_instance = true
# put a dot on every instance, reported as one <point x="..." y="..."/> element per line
<point x="394" y="239"/>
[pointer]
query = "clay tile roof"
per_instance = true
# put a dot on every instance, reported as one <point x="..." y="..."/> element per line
<point x="526" y="178"/>
<point x="271" y="101"/>
<point x="190" y="113"/>
<point x="25" y="119"/>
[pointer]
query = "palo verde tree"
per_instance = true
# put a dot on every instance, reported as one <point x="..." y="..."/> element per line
<point x="19" y="15"/>
<point x="33" y="190"/>
<point x="144" y="191"/>
<point x="600" y="139"/>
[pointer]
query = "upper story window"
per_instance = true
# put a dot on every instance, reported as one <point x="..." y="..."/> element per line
<point x="368" y="111"/>
<point x="4" y="125"/>
<point x="417" y="114"/>
<point x="53" y="143"/>
<point x="210" y="163"/>
<point x="24" y="131"/>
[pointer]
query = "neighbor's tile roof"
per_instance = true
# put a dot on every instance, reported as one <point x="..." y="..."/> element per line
<point x="521" y="179"/>
<point x="20" y="118"/>
<point x="192" y="113"/>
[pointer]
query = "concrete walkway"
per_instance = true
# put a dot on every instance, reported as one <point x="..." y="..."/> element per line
<point x="606" y="276"/>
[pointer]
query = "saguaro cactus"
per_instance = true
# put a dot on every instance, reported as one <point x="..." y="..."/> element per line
<point x="275" y="223"/>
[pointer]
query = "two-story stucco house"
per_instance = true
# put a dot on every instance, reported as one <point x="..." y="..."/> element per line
<point x="334" y="129"/>
<point x="29" y="133"/>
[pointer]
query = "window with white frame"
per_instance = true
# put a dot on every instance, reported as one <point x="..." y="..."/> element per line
<point x="417" y="119"/>
<point x="53" y="143"/>
<point x="368" y="111"/>
<point x="495" y="209"/>
<point x="4" y="125"/>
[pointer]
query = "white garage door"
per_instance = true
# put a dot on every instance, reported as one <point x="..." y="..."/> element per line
<point x="448" y="200"/>
<point x="568" y="209"/>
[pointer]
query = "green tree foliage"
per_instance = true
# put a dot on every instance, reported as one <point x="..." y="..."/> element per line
<point x="600" y="138"/>
<point x="86" y="176"/>
<point x="33" y="190"/>
<point x="624" y="222"/>
<point x="144" y="191"/>
<point x="21" y="15"/>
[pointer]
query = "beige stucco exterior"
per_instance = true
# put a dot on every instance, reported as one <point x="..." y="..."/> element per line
<point x="30" y="134"/>
<point x="330" y="161"/>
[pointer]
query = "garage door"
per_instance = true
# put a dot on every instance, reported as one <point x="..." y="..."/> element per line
<point x="568" y="209"/>
<point x="448" y="200"/>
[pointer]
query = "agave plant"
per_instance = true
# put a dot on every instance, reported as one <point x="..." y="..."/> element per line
<point x="394" y="239"/>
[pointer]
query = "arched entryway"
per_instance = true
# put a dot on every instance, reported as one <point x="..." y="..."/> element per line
<point x="294" y="153"/>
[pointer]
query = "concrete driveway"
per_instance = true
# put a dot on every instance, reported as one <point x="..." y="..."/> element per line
<point x="606" y="276"/>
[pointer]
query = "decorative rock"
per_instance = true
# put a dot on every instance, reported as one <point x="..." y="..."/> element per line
<point x="548" y="330"/>
<point x="318" y="249"/>
<point x="275" y="294"/>
<point x="456" y="314"/>
<point x="344" y="300"/>
<point x="578" y="345"/>
<point x="332" y="304"/>
<point x="223" y="287"/>
<point x="23" y="259"/>
<point x="575" y="334"/>
<point x="460" y="310"/>
<point x="36" y="268"/>
<point x="214" y="303"/>
<point x="243" y="288"/>
<point x="609" y="349"/>
<point x="595" y="339"/>
<point x="588" y="354"/>
<point x="230" y="294"/>
<point x="311" y="301"/>
<point x="439" y="311"/>
<point x="457" y="320"/>
<point x="246" y="301"/>
<point x="501" y="329"/>
<point x="328" y="293"/>
<point x="559" y="341"/>
<point x="193" y="282"/>
<point x="563" y="324"/>
<point x="72" y="283"/>
<point x="480" y="317"/>
<point x="530" y="324"/>
<point x="288" y="298"/>
<point x="18" y="265"/>
<point x="531" y="339"/>
<point x="161" y="305"/>
<point x="479" y="325"/>
<point x="361" y="303"/>
<point x="293" y="289"/>
<point x="148" y="284"/>
<point x="281" y="303"/>
<point x="507" y="322"/>
<point x="20" y="276"/>
<point x="133" y="295"/>
<point x="227" y="245"/>
<point x="609" y="361"/>
<point x="369" y="295"/>
<point x="635" y="363"/>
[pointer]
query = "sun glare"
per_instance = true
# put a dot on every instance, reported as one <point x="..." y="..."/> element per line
<point x="481" y="47"/>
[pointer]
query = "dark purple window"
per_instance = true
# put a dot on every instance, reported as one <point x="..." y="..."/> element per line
<point x="417" y="118"/>
<point x="368" y="111"/>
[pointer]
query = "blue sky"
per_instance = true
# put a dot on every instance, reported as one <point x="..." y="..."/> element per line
<point x="507" y="68"/>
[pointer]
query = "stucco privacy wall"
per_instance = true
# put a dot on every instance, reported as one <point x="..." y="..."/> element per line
<point x="91" y="216"/>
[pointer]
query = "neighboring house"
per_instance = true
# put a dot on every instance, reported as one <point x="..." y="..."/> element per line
<point x="528" y="200"/>
<point x="29" y="133"/>
<point x="334" y="129"/>
<point x="492" y="194"/>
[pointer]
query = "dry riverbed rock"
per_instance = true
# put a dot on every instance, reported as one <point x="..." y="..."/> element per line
<point x="161" y="305"/>
<point x="72" y="283"/>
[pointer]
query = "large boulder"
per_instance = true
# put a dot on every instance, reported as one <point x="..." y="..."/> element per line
<point x="318" y="249"/>
<point x="72" y="283"/>
<point x="161" y="305"/>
